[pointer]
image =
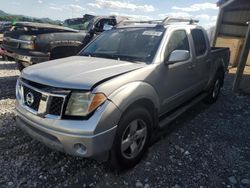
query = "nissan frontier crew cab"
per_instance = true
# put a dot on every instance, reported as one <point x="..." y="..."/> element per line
<point x="127" y="84"/>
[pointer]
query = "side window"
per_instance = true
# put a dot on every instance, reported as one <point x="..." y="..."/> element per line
<point x="178" y="41"/>
<point x="199" y="42"/>
<point x="104" y="22"/>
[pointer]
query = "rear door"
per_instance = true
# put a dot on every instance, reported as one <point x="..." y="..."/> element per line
<point x="201" y="59"/>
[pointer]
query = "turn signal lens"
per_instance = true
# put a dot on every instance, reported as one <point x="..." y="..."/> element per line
<point x="98" y="99"/>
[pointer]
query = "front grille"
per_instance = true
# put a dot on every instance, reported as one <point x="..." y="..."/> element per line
<point x="36" y="98"/>
<point x="11" y="44"/>
<point x="45" y="103"/>
<point x="56" y="104"/>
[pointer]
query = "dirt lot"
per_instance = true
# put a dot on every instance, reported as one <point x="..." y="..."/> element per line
<point x="209" y="146"/>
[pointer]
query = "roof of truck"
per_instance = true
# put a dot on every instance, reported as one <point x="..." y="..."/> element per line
<point x="156" y="26"/>
<point x="137" y="26"/>
<point x="165" y="23"/>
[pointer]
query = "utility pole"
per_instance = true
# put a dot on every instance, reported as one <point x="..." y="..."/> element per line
<point x="243" y="60"/>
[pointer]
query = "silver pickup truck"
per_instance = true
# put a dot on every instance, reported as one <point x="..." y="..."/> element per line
<point x="111" y="99"/>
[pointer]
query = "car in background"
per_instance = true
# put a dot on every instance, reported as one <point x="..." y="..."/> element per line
<point x="4" y="26"/>
<point x="33" y="43"/>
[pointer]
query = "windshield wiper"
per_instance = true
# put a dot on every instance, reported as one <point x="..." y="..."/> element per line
<point x="87" y="54"/>
<point x="113" y="56"/>
<point x="109" y="56"/>
<point x="128" y="58"/>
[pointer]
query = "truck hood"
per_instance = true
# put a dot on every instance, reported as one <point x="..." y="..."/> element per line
<point x="77" y="72"/>
<point x="44" y="26"/>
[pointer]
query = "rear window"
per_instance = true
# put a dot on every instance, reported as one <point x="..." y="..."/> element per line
<point x="199" y="42"/>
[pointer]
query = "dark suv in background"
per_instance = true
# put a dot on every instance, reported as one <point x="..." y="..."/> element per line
<point x="33" y="43"/>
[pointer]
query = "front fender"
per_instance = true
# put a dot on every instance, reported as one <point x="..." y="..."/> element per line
<point x="130" y="93"/>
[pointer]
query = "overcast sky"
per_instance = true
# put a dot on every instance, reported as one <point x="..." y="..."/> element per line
<point x="206" y="11"/>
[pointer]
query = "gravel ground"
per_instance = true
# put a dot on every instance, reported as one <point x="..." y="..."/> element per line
<point x="208" y="146"/>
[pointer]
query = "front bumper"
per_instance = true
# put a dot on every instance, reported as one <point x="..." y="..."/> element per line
<point x="85" y="138"/>
<point x="26" y="57"/>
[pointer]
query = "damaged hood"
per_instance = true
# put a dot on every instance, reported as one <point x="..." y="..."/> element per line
<point x="77" y="72"/>
<point x="44" y="26"/>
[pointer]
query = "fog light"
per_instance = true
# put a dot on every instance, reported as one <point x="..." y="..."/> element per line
<point x="80" y="148"/>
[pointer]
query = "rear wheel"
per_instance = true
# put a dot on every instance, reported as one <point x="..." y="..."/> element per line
<point x="66" y="51"/>
<point x="215" y="89"/>
<point x="132" y="138"/>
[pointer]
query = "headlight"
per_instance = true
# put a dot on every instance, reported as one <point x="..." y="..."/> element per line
<point x="82" y="104"/>
<point x="30" y="46"/>
<point x="27" y="37"/>
<point x="28" y="42"/>
<point x="19" y="91"/>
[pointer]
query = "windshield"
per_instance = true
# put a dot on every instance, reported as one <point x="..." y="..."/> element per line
<point x="130" y="44"/>
<point x="78" y="24"/>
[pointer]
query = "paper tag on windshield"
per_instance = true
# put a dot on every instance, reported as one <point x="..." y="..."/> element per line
<point x="152" y="33"/>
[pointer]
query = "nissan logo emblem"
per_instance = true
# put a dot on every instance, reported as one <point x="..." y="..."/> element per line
<point x="29" y="98"/>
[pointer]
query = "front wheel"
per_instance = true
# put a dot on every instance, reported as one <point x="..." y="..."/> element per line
<point x="132" y="138"/>
<point x="215" y="89"/>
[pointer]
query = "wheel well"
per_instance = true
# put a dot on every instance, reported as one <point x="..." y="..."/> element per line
<point x="221" y="71"/>
<point x="64" y="51"/>
<point x="149" y="105"/>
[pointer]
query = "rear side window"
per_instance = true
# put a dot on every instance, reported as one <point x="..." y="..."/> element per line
<point x="177" y="41"/>
<point x="199" y="42"/>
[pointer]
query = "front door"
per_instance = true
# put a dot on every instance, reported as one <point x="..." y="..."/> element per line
<point x="176" y="81"/>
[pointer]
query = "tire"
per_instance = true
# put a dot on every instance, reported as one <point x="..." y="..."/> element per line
<point x="20" y="66"/>
<point x="62" y="52"/>
<point x="214" y="91"/>
<point x="134" y="130"/>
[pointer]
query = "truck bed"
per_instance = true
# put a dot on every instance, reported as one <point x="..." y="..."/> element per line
<point x="224" y="53"/>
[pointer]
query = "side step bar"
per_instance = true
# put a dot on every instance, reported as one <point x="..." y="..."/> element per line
<point x="172" y="116"/>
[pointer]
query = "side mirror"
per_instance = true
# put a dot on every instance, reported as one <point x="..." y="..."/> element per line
<point x="178" y="56"/>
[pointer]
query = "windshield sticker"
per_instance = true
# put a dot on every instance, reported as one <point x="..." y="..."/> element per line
<point x="152" y="33"/>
